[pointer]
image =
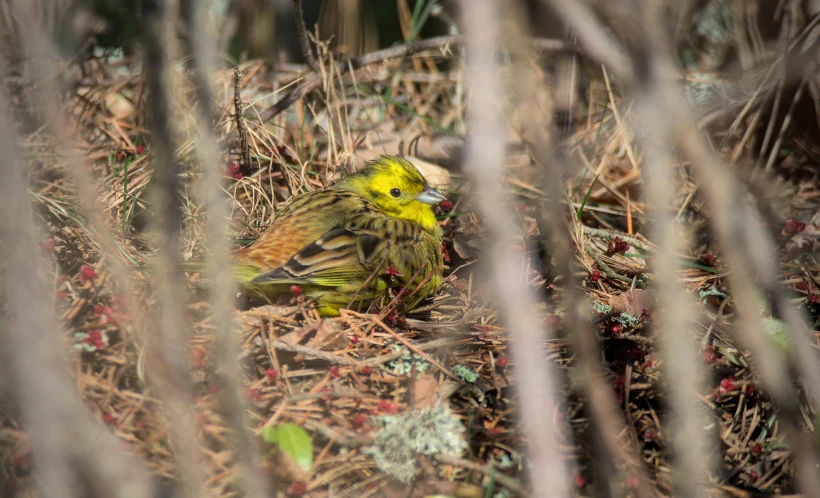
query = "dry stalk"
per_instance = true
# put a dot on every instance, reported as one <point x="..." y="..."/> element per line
<point x="746" y="249"/>
<point x="218" y="262"/>
<point x="304" y="41"/>
<point x="171" y="376"/>
<point x="599" y="395"/>
<point x="315" y="80"/>
<point x="96" y="451"/>
<point x="244" y="146"/>
<point x="61" y="428"/>
<point x="536" y="384"/>
<point x="680" y="360"/>
<point x="741" y="236"/>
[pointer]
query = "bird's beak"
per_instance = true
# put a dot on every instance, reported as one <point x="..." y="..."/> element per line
<point x="430" y="196"/>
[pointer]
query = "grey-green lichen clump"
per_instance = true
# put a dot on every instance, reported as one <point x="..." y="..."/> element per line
<point x="403" y="438"/>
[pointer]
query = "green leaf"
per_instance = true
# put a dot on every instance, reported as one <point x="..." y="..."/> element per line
<point x="294" y="441"/>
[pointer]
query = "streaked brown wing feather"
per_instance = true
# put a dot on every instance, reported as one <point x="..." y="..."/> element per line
<point x="302" y="221"/>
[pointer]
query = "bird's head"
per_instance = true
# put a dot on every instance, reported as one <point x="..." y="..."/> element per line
<point x="397" y="188"/>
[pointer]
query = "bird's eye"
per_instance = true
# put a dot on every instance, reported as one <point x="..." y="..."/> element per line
<point x="395" y="192"/>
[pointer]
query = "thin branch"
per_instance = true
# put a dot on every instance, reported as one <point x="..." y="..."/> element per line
<point x="675" y="309"/>
<point x="304" y="41"/>
<point x="218" y="262"/>
<point x="537" y="384"/>
<point x="608" y="424"/>
<point x="244" y="146"/>
<point x="169" y="369"/>
<point x="49" y="401"/>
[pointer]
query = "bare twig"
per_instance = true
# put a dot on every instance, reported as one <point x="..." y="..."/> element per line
<point x="172" y="377"/>
<point x="536" y="384"/>
<point x="746" y="249"/>
<point x="244" y="146"/>
<point x="92" y="447"/>
<point x="692" y="446"/>
<point x="304" y="42"/>
<point x="218" y="262"/>
<point x="61" y="428"/>
<point x="608" y="423"/>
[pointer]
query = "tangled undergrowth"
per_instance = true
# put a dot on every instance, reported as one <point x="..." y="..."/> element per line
<point x="345" y="379"/>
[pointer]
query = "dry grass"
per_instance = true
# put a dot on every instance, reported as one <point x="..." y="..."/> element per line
<point x="335" y="376"/>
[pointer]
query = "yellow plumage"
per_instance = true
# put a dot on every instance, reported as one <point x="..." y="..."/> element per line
<point x="346" y="246"/>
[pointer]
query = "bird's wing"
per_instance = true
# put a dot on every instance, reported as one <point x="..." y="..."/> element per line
<point x="299" y="223"/>
<point x="366" y="244"/>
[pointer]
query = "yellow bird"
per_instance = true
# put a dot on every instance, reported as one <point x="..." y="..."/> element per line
<point x="346" y="246"/>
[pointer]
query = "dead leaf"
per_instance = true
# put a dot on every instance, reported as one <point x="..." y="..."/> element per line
<point x="632" y="302"/>
<point x="423" y="391"/>
<point x="286" y="469"/>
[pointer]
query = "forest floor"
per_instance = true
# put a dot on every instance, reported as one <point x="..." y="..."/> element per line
<point x="344" y="379"/>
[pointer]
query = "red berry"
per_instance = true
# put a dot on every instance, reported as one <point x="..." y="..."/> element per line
<point x="709" y="355"/>
<point x="460" y="284"/>
<point x="366" y="370"/>
<point x="235" y="167"/>
<point x="793" y="227"/>
<point x="728" y="384"/>
<point x="649" y="435"/>
<point x="552" y="323"/>
<point x="297" y="488"/>
<point x="109" y="419"/>
<point x="253" y="394"/>
<point x="359" y="420"/>
<point x="334" y="372"/>
<point x="354" y="339"/>
<point x="753" y="475"/>
<point x="392" y="271"/>
<point x="103" y="310"/>
<point x="95" y="339"/>
<point x="388" y="407"/>
<point x="295" y="289"/>
<point x="596" y="275"/>
<point x="502" y="361"/>
<point x="272" y="374"/>
<point x="446" y="206"/>
<point x="756" y="448"/>
<point x="140" y="149"/>
<point x="120" y="156"/>
<point x="48" y="244"/>
<point x="87" y="273"/>
<point x="18" y="460"/>
<point x="579" y="481"/>
<point x="445" y="253"/>
<point x="237" y="176"/>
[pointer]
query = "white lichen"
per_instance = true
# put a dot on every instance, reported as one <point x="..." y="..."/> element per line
<point x="403" y="438"/>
